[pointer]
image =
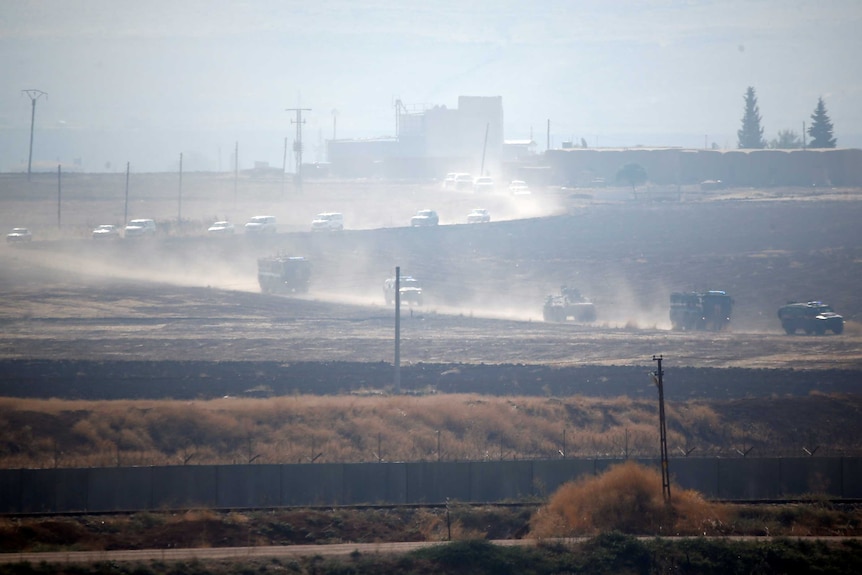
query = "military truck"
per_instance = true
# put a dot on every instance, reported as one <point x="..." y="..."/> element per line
<point x="690" y="311"/>
<point x="408" y="287"/>
<point x="811" y="317"/>
<point x="283" y="274"/>
<point x="568" y="304"/>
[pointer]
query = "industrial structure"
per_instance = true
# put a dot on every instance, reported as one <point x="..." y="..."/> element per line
<point x="429" y="141"/>
<point x="433" y="140"/>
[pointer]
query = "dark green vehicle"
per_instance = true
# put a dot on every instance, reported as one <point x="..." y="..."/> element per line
<point x="708" y="311"/>
<point x="569" y="304"/>
<point x="813" y="317"/>
<point x="283" y="274"/>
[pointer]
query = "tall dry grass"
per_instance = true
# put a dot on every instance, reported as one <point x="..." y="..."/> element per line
<point x="290" y="429"/>
<point x="627" y="498"/>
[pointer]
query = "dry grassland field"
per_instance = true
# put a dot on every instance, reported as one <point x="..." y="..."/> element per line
<point x="181" y="315"/>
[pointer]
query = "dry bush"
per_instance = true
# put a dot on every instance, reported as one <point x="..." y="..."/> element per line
<point x="626" y="498"/>
<point x="350" y="429"/>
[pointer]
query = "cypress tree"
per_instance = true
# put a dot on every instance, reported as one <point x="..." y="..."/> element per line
<point x="751" y="134"/>
<point x="820" y="129"/>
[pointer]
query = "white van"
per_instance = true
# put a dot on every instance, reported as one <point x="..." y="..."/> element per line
<point x="327" y="221"/>
<point x="260" y="225"/>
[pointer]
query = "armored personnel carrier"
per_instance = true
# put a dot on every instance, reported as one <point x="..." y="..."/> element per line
<point x="709" y="310"/>
<point x="283" y="274"/>
<point x="568" y="304"/>
<point x="811" y="317"/>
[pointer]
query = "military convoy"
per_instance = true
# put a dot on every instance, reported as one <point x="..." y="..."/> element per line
<point x="568" y="304"/>
<point x="689" y="311"/>
<point x="283" y="274"/>
<point x="697" y="311"/>
<point x="408" y="287"/>
<point x="813" y="317"/>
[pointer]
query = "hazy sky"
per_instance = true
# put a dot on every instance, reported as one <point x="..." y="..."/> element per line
<point x="144" y="81"/>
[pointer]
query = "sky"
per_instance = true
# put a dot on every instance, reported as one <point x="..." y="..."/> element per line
<point x="143" y="82"/>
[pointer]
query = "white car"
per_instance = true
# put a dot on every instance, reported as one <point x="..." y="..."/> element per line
<point x="18" y="235"/>
<point x="463" y="181"/>
<point x="328" y="221"/>
<point x="483" y="184"/>
<point x="261" y="225"/>
<point x="519" y="188"/>
<point x="449" y="181"/>
<point x="223" y="228"/>
<point x="106" y="232"/>
<point x="140" y="228"/>
<point x="478" y="216"/>
<point x="425" y="218"/>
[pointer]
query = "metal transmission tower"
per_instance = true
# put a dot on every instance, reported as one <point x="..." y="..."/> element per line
<point x="657" y="377"/>
<point x="33" y="95"/>
<point x="297" y="143"/>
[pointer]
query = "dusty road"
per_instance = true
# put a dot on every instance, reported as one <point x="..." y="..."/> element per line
<point x="187" y="297"/>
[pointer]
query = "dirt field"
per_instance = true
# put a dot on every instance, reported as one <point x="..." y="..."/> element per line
<point x="184" y="297"/>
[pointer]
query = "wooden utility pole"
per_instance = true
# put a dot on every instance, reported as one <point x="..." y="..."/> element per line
<point x="283" y="165"/>
<point x="126" y="206"/>
<point x="180" y="196"/>
<point x="397" y="329"/>
<point x="665" y="472"/>
<point x="235" y="171"/>
<point x="59" y="180"/>
<point x="33" y="95"/>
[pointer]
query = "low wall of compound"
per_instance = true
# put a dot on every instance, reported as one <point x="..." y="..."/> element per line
<point x="110" y="489"/>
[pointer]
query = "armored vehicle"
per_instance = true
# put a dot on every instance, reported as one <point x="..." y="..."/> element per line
<point x="408" y="287"/>
<point x="709" y="310"/>
<point x="810" y="317"/>
<point x="283" y="274"/>
<point x="569" y="304"/>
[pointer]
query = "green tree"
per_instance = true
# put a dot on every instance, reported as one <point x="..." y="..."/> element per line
<point x="786" y="140"/>
<point x="751" y="134"/>
<point x="820" y="129"/>
<point x="632" y="174"/>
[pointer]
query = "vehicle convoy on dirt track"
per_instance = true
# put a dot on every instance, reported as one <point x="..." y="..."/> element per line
<point x="283" y="274"/>
<point x="408" y="287"/>
<point x="709" y="310"/>
<point x="569" y="304"/>
<point x="811" y="317"/>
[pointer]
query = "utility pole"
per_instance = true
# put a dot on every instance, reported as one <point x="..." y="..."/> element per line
<point x="180" y="196"/>
<point x="283" y="166"/>
<point x="665" y="472"/>
<point x="33" y="95"/>
<point x="126" y="208"/>
<point x="59" y="179"/>
<point x="484" y="147"/>
<point x="397" y="329"/>
<point x="297" y="143"/>
<point x="235" y="171"/>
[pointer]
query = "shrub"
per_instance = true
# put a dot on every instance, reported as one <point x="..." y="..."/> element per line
<point x="626" y="498"/>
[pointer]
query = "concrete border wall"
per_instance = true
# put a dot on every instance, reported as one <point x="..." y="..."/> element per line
<point x="108" y="489"/>
<point x="840" y="167"/>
